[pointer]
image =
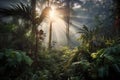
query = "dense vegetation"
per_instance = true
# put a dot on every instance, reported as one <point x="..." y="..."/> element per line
<point x="23" y="57"/>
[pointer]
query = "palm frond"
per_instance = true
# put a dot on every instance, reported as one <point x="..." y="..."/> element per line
<point x="20" y="10"/>
<point x="84" y="29"/>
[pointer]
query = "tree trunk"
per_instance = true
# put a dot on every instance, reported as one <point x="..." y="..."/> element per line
<point x="50" y="36"/>
<point x="34" y="29"/>
<point x="68" y="20"/>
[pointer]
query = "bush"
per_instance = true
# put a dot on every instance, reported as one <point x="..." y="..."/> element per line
<point x="13" y="64"/>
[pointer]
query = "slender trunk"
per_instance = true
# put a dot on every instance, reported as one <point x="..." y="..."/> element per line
<point x="68" y="20"/>
<point x="50" y="29"/>
<point x="33" y="4"/>
<point x="50" y="36"/>
<point x="117" y="7"/>
<point x="34" y="28"/>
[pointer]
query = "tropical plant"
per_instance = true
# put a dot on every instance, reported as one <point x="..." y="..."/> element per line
<point x="103" y="64"/>
<point x="13" y="63"/>
<point x="90" y="38"/>
<point x="107" y="62"/>
<point x="27" y="12"/>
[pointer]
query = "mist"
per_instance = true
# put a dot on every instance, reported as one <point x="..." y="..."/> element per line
<point x="84" y="12"/>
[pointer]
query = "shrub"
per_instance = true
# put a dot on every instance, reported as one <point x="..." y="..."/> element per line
<point x="13" y="63"/>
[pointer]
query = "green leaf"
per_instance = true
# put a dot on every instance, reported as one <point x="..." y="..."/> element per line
<point x="102" y="72"/>
<point x="1" y="55"/>
<point x="109" y="57"/>
<point x="117" y="67"/>
<point x="28" y="60"/>
<point x="18" y="56"/>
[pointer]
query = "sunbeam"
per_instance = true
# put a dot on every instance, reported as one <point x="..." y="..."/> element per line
<point x="58" y="29"/>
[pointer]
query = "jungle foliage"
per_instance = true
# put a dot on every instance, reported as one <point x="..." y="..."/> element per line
<point x="96" y="58"/>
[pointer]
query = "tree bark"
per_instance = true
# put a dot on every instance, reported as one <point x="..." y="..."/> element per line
<point x="34" y="29"/>
<point x="68" y="20"/>
<point x="50" y="36"/>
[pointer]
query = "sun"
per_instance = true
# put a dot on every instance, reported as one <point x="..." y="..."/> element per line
<point x="54" y="27"/>
<point x="52" y="13"/>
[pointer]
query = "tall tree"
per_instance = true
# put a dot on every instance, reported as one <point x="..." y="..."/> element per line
<point x="28" y="13"/>
<point x="68" y="19"/>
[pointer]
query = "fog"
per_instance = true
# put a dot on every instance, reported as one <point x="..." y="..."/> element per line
<point x="84" y="12"/>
